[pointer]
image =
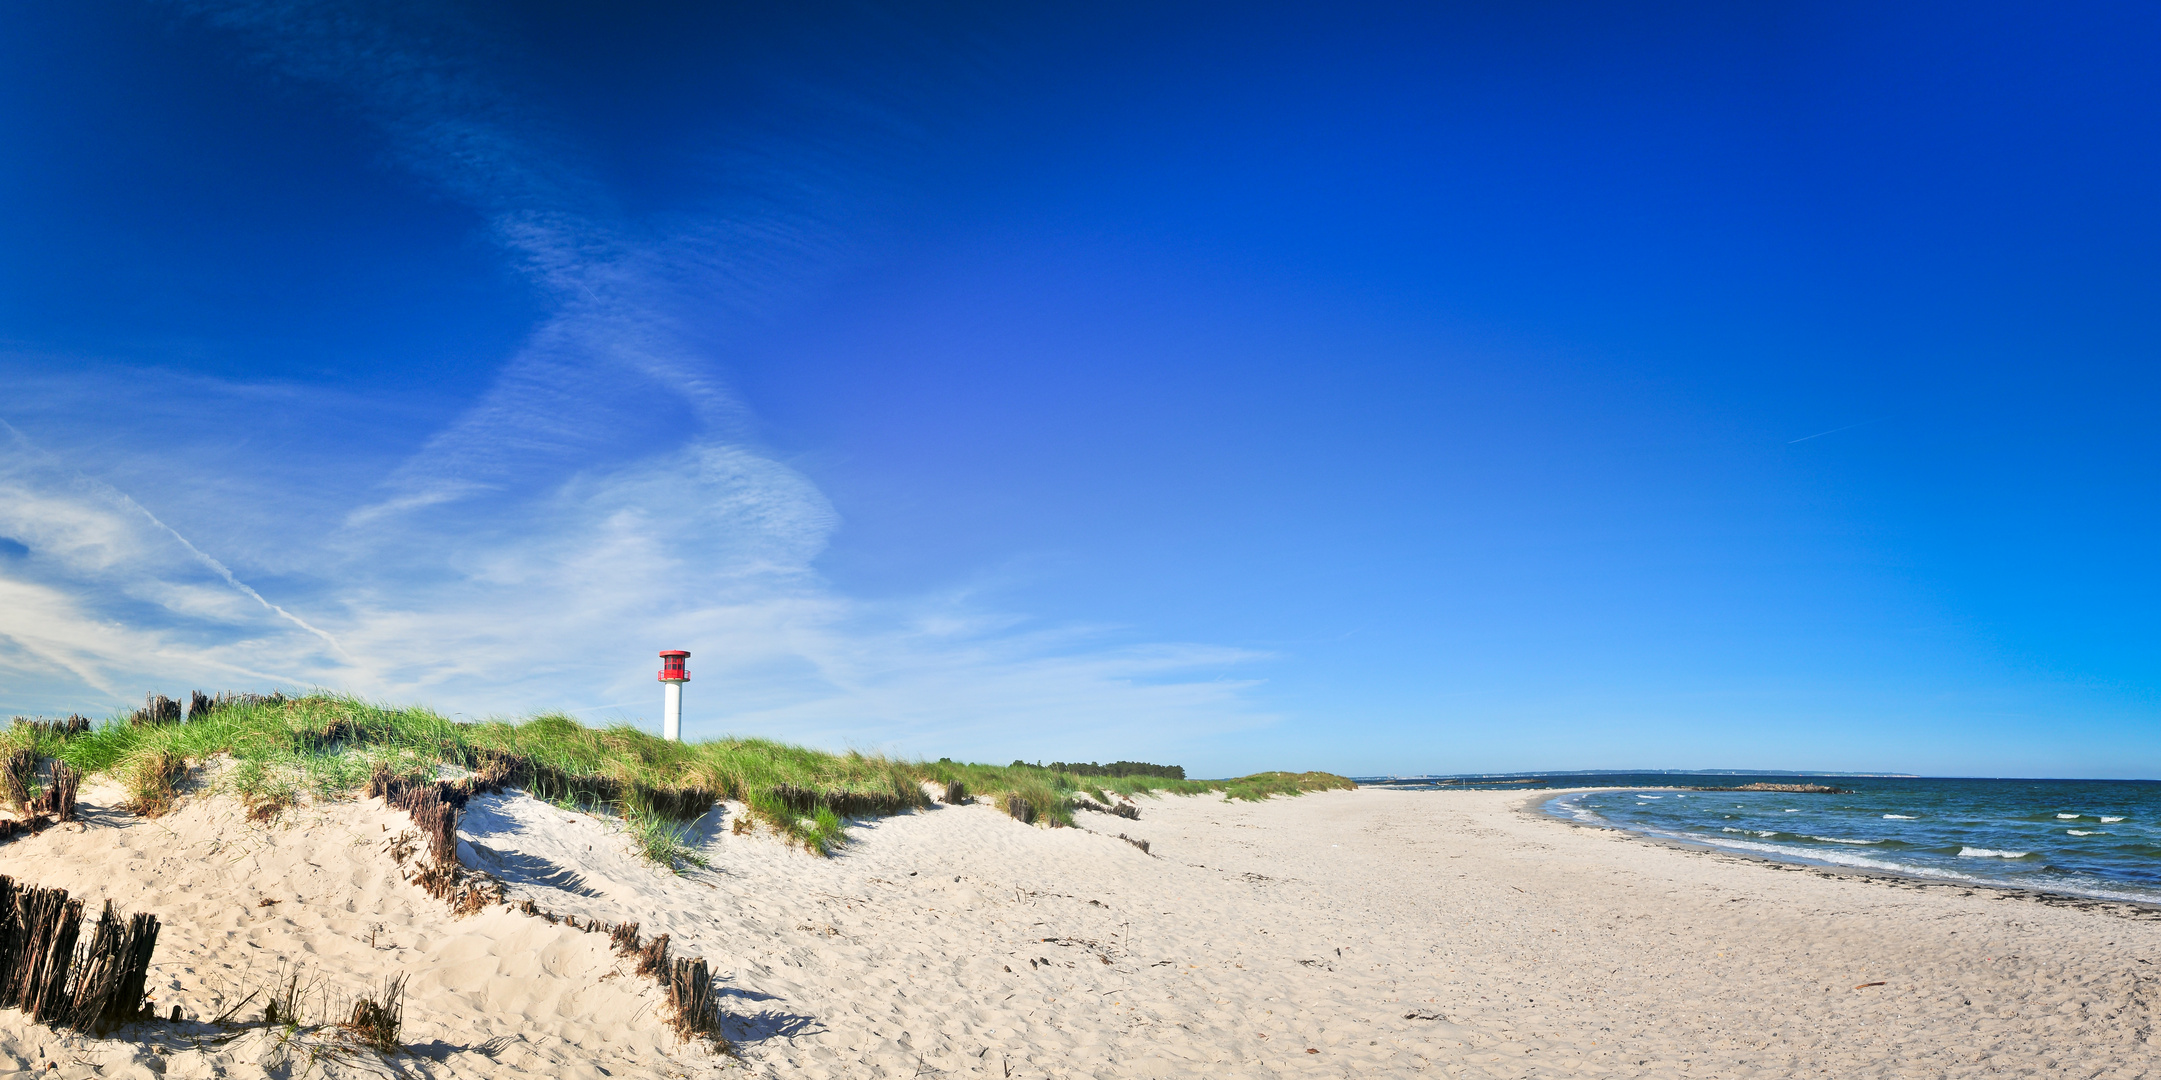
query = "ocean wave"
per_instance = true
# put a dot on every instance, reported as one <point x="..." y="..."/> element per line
<point x="2026" y="869"/>
<point x="2084" y="832"/>
<point x="1834" y="857"/>
<point x="2110" y="820"/>
<point x="1573" y="805"/>
<point x="1843" y="840"/>
<point x="1900" y="817"/>
<point x="2067" y="817"/>
<point x="1795" y="811"/>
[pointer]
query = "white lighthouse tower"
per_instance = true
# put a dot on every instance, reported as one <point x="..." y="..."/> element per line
<point x="672" y="677"/>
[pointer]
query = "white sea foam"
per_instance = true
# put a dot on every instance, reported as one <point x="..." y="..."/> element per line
<point x="2110" y="820"/>
<point x="1836" y="857"/>
<point x="2067" y="817"/>
<point x="2076" y="885"/>
<point x="1767" y="832"/>
<point x="1571" y="804"/>
<point x="1650" y="796"/>
<point x="1793" y="811"/>
<point x="1833" y="857"/>
<point x="1843" y="840"/>
<point x="1899" y="817"/>
<point x="2084" y="832"/>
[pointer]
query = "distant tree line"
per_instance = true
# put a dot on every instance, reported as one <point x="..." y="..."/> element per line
<point x="1115" y="768"/>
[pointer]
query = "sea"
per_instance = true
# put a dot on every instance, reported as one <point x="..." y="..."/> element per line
<point x="2091" y="838"/>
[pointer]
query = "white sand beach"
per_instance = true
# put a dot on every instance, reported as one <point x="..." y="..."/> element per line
<point x="1366" y="933"/>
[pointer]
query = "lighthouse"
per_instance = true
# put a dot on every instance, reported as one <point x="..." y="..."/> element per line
<point x="672" y="677"/>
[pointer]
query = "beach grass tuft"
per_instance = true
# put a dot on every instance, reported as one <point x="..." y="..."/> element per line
<point x="377" y="1021"/>
<point x="18" y="773"/>
<point x="152" y="775"/>
<point x="661" y="840"/>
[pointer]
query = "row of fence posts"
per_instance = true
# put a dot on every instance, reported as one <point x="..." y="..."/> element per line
<point x="46" y="968"/>
<point x="47" y="971"/>
<point x="159" y="709"/>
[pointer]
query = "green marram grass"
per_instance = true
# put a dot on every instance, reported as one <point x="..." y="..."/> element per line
<point x="324" y="746"/>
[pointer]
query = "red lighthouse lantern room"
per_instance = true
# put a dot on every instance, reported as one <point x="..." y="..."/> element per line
<point x="671" y="666"/>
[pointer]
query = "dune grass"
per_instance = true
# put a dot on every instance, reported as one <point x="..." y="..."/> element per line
<point x="326" y="746"/>
<point x="1260" y="787"/>
<point x="1051" y="792"/>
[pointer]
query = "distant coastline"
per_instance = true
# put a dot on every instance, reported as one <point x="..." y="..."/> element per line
<point x="1516" y="777"/>
<point x="1766" y="779"/>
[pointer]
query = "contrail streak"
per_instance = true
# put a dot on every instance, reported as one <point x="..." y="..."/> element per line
<point x="1833" y="431"/>
<point x="236" y="583"/>
<point x="217" y="567"/>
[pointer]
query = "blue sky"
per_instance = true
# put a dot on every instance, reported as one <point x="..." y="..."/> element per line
<point x="1379" y="389"/>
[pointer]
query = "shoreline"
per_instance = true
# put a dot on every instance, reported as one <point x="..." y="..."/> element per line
<point x="2134" y="909"/>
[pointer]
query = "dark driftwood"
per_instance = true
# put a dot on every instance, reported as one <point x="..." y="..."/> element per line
<point x="676" y="803"/>
<point x="18" y="771"/>
<point x="49" y="924"/>
<point x="653" y="958"/>
<point x="1125" y="810"/>
<point x="376" y="1022"/>
<point x="803" y="800"/>
<point x="697" y="1008"/>
<point x="74" y="725"/>
<point x="201" y="705"/>
<point x="93" y="988"/>
<point x="434" y="806"/>
<point x="58" y="798"/>
<point x="10" y="829"/>
<point x="157" y="709"/>
<point x="107" y="988"/>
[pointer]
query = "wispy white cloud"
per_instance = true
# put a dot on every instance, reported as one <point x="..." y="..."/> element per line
<point x="538" y="549"/>
<point x="561" y="601"/>
<point x="99" y="590"/>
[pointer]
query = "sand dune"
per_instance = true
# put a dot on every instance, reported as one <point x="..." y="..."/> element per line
<point x="492" y="993"/>
<point x="1364" y="933"/>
